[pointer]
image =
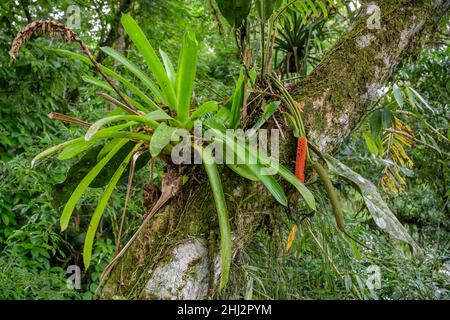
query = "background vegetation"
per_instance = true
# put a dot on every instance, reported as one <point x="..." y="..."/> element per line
<point x="35" y="255"/>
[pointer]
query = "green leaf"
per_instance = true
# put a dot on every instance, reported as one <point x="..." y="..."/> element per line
<point x="433" y="142"/>
<point x="269" y="110"/>
<point x="144" y="47"/>
<point x="151" y="104"/>
<point x="135" y="70"/>
<point x="292" y="179"/>
<point x="386" y="117"/>
<point x="411" y="99"/>
<point x="213" y="122"/>
<point x="425" y="103"/>
<point x="323" y="7"/>
<point x="264" y="8"/>
<point x="75" y="149"/>
<point x="54" y="149"/>
<point x="250" y="159"/>
<point x="268" y="162"/>
<point x="62" y="191"/>
<point x="107" y="148"/>
<point x="295" y="128"/>
<point x="313" y="8"/>
<point x="222" y="214"/>
<point x="398" y="95"/>
<point x="235" y="11"/>
<point x="243" y="171"/>
<point x="237" y="102"/>
<point x="304" y="10"/>
<point x="222" y="116"/>
<point x="170" y="70"/>
<point x="102" y="134"/>
<point x="187" y="67"/>
<point x="205" y="108"/>
<point x="100" y="123"/>
<point x="84" y="184"/>
<point x="269" y="182"/>
<point x="376" y="125"/>
<point x="371" y="145"/>
<point x="5" y="219"/>
<point x="105" y="86"/>
<point x="92" y="228"/>
<point x="158" y="115"/>
<point x="160" y="139"/>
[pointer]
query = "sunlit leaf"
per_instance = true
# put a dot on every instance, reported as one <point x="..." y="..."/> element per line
<point x="243" y="171"/>
<point x="144" y="47"/>
<point x="168" y="65"/>
<point x="186" y="72"/>
<point x="204" y="109"/>
<point x="371" y="145"/>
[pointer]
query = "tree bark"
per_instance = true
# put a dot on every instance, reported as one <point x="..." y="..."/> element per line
<point x="177" y="257"/>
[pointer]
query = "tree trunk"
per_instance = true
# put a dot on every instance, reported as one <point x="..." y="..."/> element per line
<point x="177" y="257"/>
<point x="114" y="32"/>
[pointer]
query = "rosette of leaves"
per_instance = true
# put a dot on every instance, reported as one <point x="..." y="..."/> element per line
<point x="159" y="110"/>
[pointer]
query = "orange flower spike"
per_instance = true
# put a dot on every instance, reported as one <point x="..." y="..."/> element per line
<point x="300" y="161"/>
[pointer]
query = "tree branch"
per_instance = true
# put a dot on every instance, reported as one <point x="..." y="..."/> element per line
<point x="339" y="91"/>
<point x="114" y="30"/>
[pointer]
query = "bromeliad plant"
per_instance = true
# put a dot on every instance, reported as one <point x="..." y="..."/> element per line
<point x="146" y="120"/>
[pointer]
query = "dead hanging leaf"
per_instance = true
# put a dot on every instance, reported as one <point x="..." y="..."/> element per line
<point x="44" y="27"/>
<point x="382" y="215"/>
<point x="291" y="237"/>
<point x="52" y="28"/>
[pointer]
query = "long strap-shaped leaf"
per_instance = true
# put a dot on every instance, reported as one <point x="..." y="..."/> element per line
<point x="111" y="132"/>
<point x="75" y="149"/>
<point x="54" y="149"/>
<point x="250" y="168"/>
<point x="249" y="161"/>
<point x="222" y="214"/>
<point x="237" y="102"/>
<point x="243" y="171"/>
<point x="135" y="70"/>
<point x="145" y="48"/>
<point x="90" y="235"/>
<point x="187" y="67"/>
<point x="168" y="65"/>
<point x="118" y="77"/>
<point x="97" y="125"/>
<point x="104" y="85"/>
<point x="272" y="164"/>
<point x="84" y="184"/>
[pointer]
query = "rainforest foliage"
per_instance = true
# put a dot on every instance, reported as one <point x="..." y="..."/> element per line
<point x="148" y="68"/>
